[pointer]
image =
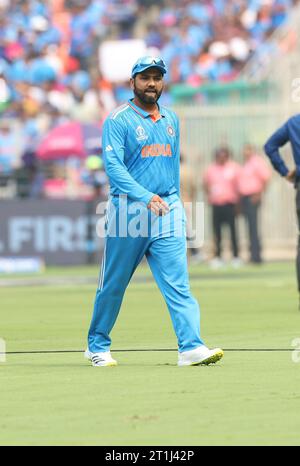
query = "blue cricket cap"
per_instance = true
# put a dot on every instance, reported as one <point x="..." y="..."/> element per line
<point x="144" y="63"/>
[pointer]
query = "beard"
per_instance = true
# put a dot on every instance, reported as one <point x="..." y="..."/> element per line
<point x="147" y="98"/>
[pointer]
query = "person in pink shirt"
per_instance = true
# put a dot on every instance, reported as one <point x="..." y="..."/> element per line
<point x="252" y="182"/>
<point x="220" y="185"/>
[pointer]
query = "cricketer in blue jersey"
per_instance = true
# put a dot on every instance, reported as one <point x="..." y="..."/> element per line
<point x="289" y="132"/>
<point x="145" y="218"/>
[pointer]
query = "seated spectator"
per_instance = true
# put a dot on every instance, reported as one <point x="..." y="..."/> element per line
<point x="8" y="159"/>
<point x="94" y="176"/>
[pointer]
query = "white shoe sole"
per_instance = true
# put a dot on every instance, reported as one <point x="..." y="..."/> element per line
<point x="215" y="357"/>
<point x="105" y="364"/>
<point x="211" y="359"/>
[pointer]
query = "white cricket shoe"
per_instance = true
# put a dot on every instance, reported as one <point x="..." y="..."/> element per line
<point x="216" y="263"/>
<point x="237" y="263"/>
<point x="201" y="355"/>
<point x="100" y="359"/>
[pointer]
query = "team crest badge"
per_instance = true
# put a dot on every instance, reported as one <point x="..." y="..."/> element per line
<point x="141" y="133"/>
<point x="170" y="130"/>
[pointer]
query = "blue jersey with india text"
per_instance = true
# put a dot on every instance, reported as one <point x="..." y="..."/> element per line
<point x="141" y="156"/>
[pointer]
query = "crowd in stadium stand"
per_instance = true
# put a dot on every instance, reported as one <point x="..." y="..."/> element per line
<point x="49" y="70"/>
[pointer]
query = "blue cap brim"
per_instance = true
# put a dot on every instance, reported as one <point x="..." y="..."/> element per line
<point x="141" y="69"/>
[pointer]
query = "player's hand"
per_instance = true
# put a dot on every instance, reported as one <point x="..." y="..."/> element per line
<point x="291" y="176"/>
<point x="158" y="206"/>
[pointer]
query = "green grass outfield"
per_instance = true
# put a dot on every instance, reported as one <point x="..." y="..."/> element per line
<point x="250" y="398"/>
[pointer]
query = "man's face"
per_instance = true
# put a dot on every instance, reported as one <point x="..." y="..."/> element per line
<point x="148" y="86"/>
<point x="222" y="157"/>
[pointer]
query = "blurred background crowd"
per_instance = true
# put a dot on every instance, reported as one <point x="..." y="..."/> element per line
<point x="51" y="74"/>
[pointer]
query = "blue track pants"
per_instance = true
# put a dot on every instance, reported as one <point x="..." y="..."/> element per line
<point x="164" y="245"/>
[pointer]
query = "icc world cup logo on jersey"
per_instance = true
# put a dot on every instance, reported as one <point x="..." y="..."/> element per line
<point x="141" y="134"/>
